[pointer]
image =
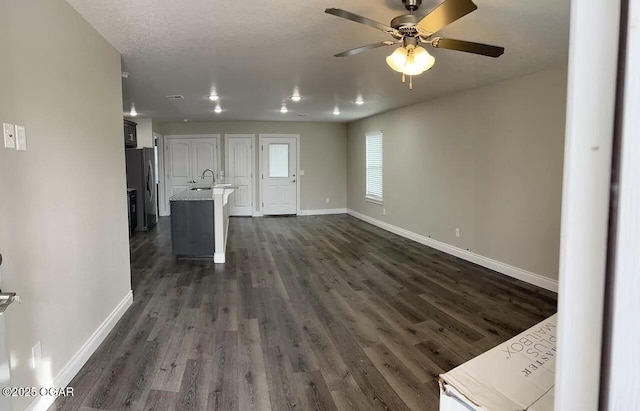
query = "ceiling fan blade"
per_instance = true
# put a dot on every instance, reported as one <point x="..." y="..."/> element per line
<point x="443" y="15"/>
<point x="362" y="20"/>
<point x="364" y="48"/>
<point x="468" y="47"/>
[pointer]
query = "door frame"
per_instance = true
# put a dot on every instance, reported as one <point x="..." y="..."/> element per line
<point x="260" y="154"/>
<point x="588" y="153"/>
<point x="622" y="331"/>
<point x="167" y="160"/>
<point x="162" y="209"/>
<point x="253" y="164"/>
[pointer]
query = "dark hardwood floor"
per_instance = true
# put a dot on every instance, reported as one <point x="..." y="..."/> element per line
<point x="310" y="313"/>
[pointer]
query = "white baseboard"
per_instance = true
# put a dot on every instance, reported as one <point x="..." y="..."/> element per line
<point x="326" y="211"/>
<point x="74" y="365"/>
<point x="511" y="271"/>
<point x="256" y="214"/>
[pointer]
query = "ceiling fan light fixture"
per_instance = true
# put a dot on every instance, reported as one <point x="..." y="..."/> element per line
<point x="411" y="62"/>
<point x="397" y="59"/>
<point x="418" y="61"/>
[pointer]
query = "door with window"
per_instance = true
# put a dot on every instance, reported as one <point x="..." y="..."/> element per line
<point x="279" y="175"/>
<point x="239" y="165"/>
<point x="185" y="161"/>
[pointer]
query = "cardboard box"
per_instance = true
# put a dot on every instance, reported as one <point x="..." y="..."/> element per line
<point x="518" y="374"/>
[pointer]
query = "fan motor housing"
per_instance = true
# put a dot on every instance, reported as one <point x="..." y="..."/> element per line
<point x="406" y="24"/>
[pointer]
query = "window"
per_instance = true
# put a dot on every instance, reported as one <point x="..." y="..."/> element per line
<point x="374" y="167"/>
<point x="278" y="160"/>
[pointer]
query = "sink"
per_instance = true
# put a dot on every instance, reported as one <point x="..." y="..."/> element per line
<point x="201" y="189"/>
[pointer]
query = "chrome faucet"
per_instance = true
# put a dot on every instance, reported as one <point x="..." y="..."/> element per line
<point x="213" y="174"/>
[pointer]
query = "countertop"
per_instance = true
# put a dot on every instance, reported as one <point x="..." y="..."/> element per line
<point x="194" y="195"/>
<point x="203" y="195"/>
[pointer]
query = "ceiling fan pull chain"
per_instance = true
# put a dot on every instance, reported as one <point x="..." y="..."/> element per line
<point x="403" y="78"/>
<point x="410" y="82"/>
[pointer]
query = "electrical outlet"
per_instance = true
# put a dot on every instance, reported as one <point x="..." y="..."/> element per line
<point x="36" y="354"/>
<point x="328" y="200"/>
<point x="457" y="232"/>
<point x="9" y="132"/>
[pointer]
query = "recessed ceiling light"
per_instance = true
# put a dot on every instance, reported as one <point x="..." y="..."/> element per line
<point x="214" y="97"/>
<point x="336" y="112"/>
<point x="359" y="101"/>
<point x="296" y="98"/>
<point x="133" y="112"/>
<point x="218" y="109"/>
<point x="185" y="120"/>
<point x="284" y="110"/>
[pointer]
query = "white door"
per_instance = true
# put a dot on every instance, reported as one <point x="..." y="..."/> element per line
<point x="279" y="168"/>
<point x="205" y="155"/>
<point x="180" y="166"/>
<point x="240" y="173"/>
<point x="185" y="161"/>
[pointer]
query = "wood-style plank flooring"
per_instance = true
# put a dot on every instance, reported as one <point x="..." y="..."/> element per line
<point x="309" y="313"/>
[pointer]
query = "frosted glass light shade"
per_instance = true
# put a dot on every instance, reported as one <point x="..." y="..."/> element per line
<point x="418" y="62"/>
<point x="398" y="59"/>
<point x="411" y="63"/>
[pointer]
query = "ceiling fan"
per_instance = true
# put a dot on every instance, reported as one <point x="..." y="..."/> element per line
<point x="410" y="30"/>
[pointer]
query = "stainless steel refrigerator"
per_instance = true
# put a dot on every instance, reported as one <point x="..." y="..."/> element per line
<point x="141" y="166"/>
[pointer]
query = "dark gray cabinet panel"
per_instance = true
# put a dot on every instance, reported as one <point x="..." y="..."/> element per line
<point x="192" y="228"/>
<point x="130" y="134"/>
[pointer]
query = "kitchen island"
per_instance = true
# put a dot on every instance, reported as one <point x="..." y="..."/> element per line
<point x="200" y="221"/>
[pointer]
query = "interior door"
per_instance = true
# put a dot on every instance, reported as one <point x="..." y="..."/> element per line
<point x="240" y="174"/>
<point x="279" y="179"/>
<point x="205" y="156"/>
<point x="180" y="167"/>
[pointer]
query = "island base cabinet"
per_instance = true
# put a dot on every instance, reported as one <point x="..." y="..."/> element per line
<point x="192" y="228"/>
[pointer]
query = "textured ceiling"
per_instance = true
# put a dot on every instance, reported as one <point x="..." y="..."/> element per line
<point x="255" y="53"/>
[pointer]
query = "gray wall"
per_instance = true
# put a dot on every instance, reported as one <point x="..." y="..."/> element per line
<point x="63" y="212"/>
<point x="323" y="152"/>
<point x="144" y="131"/>
<point x="487" y="161"/>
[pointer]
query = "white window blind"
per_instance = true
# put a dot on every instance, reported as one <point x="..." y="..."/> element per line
<point x="374" y="167"/>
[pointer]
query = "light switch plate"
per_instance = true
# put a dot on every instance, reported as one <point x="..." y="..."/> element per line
<point x="301" y="172"/>
<point x="9" y="132"/>
<point x="21" y="138"/>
